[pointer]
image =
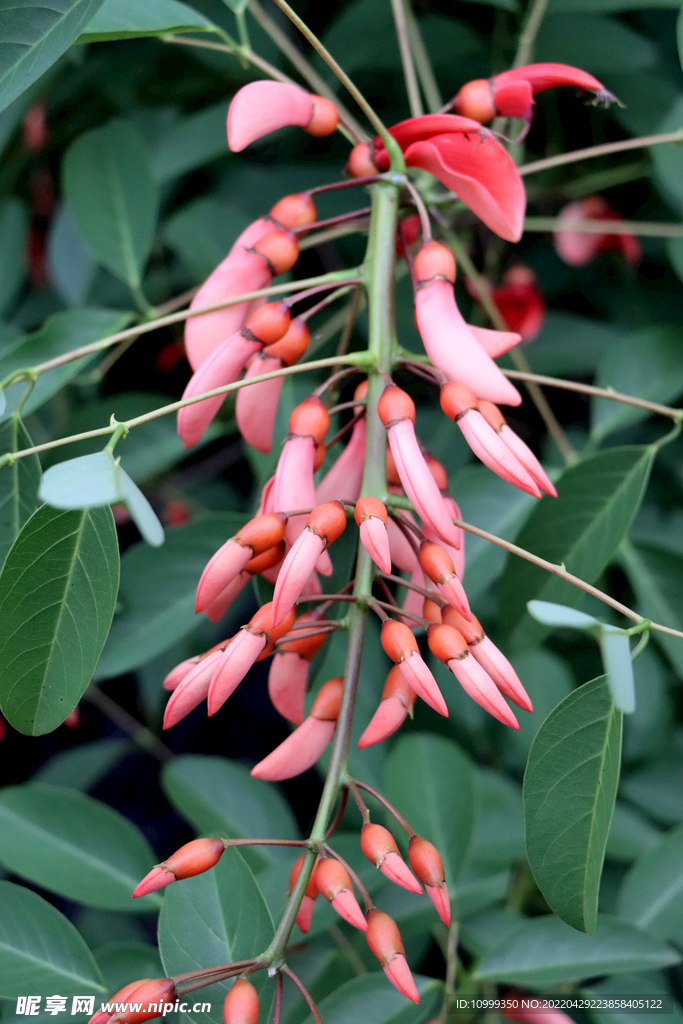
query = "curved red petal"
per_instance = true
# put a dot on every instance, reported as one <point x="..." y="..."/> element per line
<point x="261" y="107"/>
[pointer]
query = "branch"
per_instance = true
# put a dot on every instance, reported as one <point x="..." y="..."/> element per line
<point x="650" y="229"/>
<point x="604" y="150"/>
<point x="590" y="389"/>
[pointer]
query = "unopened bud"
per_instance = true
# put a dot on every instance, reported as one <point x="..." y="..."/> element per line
<point x="426" y="862"/>
<point x="310" y="419"/>
<point x="434" y="260"/>
<point x="191" y="859"/>
<point x="241" y="1004"/>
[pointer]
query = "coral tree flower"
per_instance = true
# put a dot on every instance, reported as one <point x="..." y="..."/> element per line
<point x="191" y="859"/>
<point x="334" y="883"/>
<point x="450" y="343"/>
<point x="260" y="108"/>
<point x="305" y="912"/>
<point x="379" y="846"/>
<point x="466" y="159"/>
<point x="371" y="517"/>
<point x="396" y="704"/>
<point x="520" y="302"/>
<point x="384" y="940"/>
<point x="401" y="646"/>
<point x="289" y="670"/>
<point x="255" y="537"/>
<point x="303" y="747"/>
<point x="248" y="267"/>
<point x="511" y="93"/>
<point x="577" y="248"/>
<point x="241" y="1004"/>
<point x="325" y="524"/>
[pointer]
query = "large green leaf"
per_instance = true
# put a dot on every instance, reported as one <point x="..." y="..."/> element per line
<point x="83" y="766"/>
<point x="570" y="787"/>
<point x="648" y="364"/>
<point x="216" y="918"/>
<point x="607" y="6"/>
<point x="73" y="845"/>
<point x="668" y="160"/>
<point x="19" y="484"/>
<point x="657" y="789"/>
<point x="154" y="617"/>
<point x="430" y="781"/>
<point x="91" y="481"/>
<point x="121" y="961"/>
<point x="221" y="798"/>
<point x="544" y="951"/>
<point x="112" y="197"/>
<point x="57" y="596"/>
<point x="371" y="1000"/>
<point x="651" y="895"/>
<point x="61" y="333"/>
<point x="42" y="953"/>
<point x="597" y="44"/>
<point x="128" y="19"/>
<point x="33" y="35"/>
<point x="656" y="575"/>
<point x="191" y="142"/>
<point x="581" y="530"/>
<point x="548" y="680"/>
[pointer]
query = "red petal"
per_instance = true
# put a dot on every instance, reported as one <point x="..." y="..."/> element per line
<point x="261" y="107"/>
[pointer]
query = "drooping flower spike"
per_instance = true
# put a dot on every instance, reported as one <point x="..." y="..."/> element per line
<point x="260" y="108"/>
<point x="371" y="517"/>
<point x="511" y="93"/>
<point x="401" y="646"/>
<point x="426" y="862"/>
<point x="255" y="537"/>
<point x="241" y="271"/>
<point x="396" y="704"/>
<point x="577" y="248"/>
<point x="496" y="420"/>
<point x="379" y="846"/>
<point x="325" y="524"/>
<point x="438" y="566"/>
<point x="489" y="657"/>
<point x="241" y="1004"/>
<point x="448" y="340"/>
<point x="334" y="883"/>
<point x="384" y="940"/>
<point x="253" y="642"/>
<point x="471" y="163"/>
<point x="448" y="645"/>
<point x="397" y="412"/>
<point x="289" y="671"/>
<point x="191" y="859"/>
<point x="256" y="406"/>
<point x="294" y="487"/>
<point x="303" y="747"/>
<point x="460" y="405"/>
<point x="267" y="324"/>
<point x="305" y="912"/>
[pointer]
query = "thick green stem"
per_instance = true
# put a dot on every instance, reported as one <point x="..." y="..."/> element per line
<point x="379" y="281"/>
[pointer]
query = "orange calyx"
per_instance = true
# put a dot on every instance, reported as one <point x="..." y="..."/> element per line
<point x="261" y="623"/>
<point x="311" y="886"/>
<point x="457" y="399"/>
<point x="472" y="630"/>
<point x="279" y="249"/>
<point x="306" y="647"/>
<point x="324" y="118"/>
<point x="290" y="348"/>
<point x="262" y="532"/>
<point x="397" y="640"/>
<point x="425" y="861"/>
<point x="384" y="938"/>
<point x="294" y="211"/>
<point x="360" y="163"/>
<point x="266" y="560"/>
<point x="328" y="702"/>
<point x="436" y="561"/>
<point x="475" y="100"/>
<point x="310" y="419"/>
<point x="446" y="643"/>
<point x="328" y="521"/>
<point x="269" y="323"/>
<point x="434" y="260"/>
<point x="367" y="507"/>
<point x="395" y="405"/>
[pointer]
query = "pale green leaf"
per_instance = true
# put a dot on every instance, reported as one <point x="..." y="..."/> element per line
<point x="128" y="19"/>
<point x="19" y="484"/>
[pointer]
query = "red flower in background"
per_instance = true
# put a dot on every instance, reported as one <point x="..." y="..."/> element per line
<point x="577" y="248"/>
<point x="520" y="302"/>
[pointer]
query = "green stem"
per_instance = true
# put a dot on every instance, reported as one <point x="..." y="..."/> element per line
<point x="532" y="24"/>
<point x="650" y="229"/>
<point x="235" y="51"/>
<point x="379" y="275"/>
<point x="605" y="149"/>
<point x="423" y="62"/>
<point x="401" y="23"/>
<point x="391" y="146"/>
<point x="590" y="389"/>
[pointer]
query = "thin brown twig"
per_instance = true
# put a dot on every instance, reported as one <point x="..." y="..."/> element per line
<point x="315" y="1013"/>
<point x="590" y="389"/>
<point x="365" y="895"/>
<point x="334" y="824"/>
<point x="606" y="149"/>
<point x="390" y="807"/>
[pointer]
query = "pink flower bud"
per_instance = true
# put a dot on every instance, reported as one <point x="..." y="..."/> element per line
<point x="439" y="567"/>
<point x="384" y="940"/>
<point x="191" y="859"/>
<point x="335" y="885"/>
<point x="371" y="517"/>
<point x="379" y="846"/>
<point x="427" y="864"/>
<point x="158" y="992"/>
<point x="260" y="108"/>
<point x="303" y="747"/>
<point x="401" y="646"/>
<point x="397" y="702"/>
<point x="241" y="1004"/>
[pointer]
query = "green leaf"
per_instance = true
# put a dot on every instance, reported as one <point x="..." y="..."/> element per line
<point x="91" y="481"/>
<point x="430" y="781"/>
<point x="154" y="617"/>
<point x="112" y="197"/>
<point x="203" y="230"/>
<point x="71" y="266"/>
<point x="607" y="6"/>
<point x="57" y="596"/>
<point x="570" y="787"/>
<point x="679" y="35"/>
<point x="647" y="365"/>
<point x="61" y="333"/>
<point x="559" y="615"/>
<point x="499" y="833"/>
<point x="190" y="143"/>
<point x="570" y="344"/>
<point x="13" y="231"/>
<point x="657" y="789"/>
<point x="371" y="1000"/>
<point x="616" y="659"/>
<point x="630" y="834"/>
<point x="656" y="575"/>
<point x="82" y="767"/>
<point x="544" y="951"/>
<point x="121" y="961"/>
<point x="33" y="35"/>
<point x="651" y="895"/>
<point x="19" y="484"/>
<point x="73" y="845"/>
<point x="581" y="529"/>
<point x="486" y="500"/>
<point x="597" y="44"/>
<point x="548" y="680"/>
<point x="238" y="6"/>
<point x="216" y="918"/>
<point x="42" y="953"/>
<point x="220" y="797"/>
<point x="128" y="19"/>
